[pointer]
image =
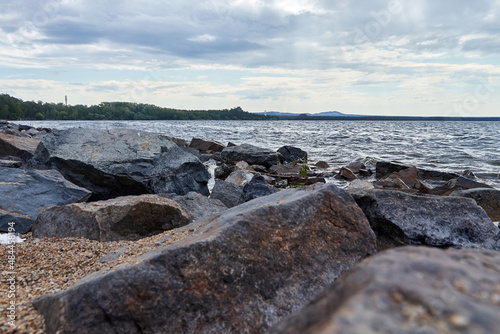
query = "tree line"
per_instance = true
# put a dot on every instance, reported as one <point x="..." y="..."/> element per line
<point x="12" y="108"/>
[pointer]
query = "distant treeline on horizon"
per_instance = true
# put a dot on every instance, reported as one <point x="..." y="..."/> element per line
<point x="12" y="108"/>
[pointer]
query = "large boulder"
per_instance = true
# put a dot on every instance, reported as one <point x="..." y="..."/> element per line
<point x="399" y="218"/>
<point x="122" y="218"/>
<point x="206" y="146"/>
<point x="291" y="153"/>
<point x="488" y="199"/>
<point x="28" y="192"/>
<point x="227" y="192"/>
<point x="408" y="290"/>
<point x="253" y="155"/>
<point x="120" y="162"/>
<point x="197" y="205"/>
<point x="17" y="146"/>
<point x="239" y="273"/>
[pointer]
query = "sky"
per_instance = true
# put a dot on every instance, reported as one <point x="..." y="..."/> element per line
<point x="370" y="57"/>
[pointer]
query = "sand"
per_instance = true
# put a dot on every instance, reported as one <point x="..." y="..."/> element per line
<point x="49" y="265"/>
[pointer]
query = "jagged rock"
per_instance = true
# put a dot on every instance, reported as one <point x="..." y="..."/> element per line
<point x="463" y="183"/>
<point x="291" y="153"/>
<point x="347" y="174"/>
<point x="22" y="223"/>
<point x="253" y="155"/>
<point x="400" y="219"/>
<point x="197" y="205"/>
<point x="15" y="146"/>
<point x="257" y="187"/>
<point x="118" y="162"/>
<point x="488" y="199"/>
<point x="206" y="145"/>
<point x="384" y="168"/>
<point x="227" y="192"/>
<point x="356" y="166"/>
<point x="239" y="177"/>
<point x="29" y="192"/>
<point x="239" y="273"/>
<point x="409" y="176"/>
<point x="122" y="218"/>
<point x="408" y="290"/>
<point x="243" y="165"/>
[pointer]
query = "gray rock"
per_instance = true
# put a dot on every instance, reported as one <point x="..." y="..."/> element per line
<point x="488" y="199"/>
<point x="227" y="192"/>
<point x="399" y="219"/>
<point x="122" y="218"/>
<point x="28" y="192"/>
<point x="384" y="168"/>
<point x="197" y="205"/>
<point x="253" y="155"/>
<point x="119" y="162"/>
<point x="11" y="163"/>
<point x="291" y="153"/>
<point x="206" y="146"/>
<point x="257" y="187"/>
<point x="239" y="273"/>
<point x="239" y="177"/>
<point x="408" y="290"/>
<point x="22" y="223"/>
<point x="463" y="183"/>
<point x="223" y="171"/>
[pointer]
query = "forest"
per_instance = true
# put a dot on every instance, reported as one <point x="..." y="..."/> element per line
<point x="12" y="108"/>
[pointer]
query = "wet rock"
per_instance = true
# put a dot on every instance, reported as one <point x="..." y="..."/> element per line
<point x="29" y="192"/>
<point x="119" y="162"/>
<point x="22" y="223"/>
<point x="122" y="218"/>
<point x="239" y="273"/>
<point x="239" y="177"/>
<point x="408" y="290"/>
<point x="206" y="146"/>
<point x="197" y="205"/>
<point x="400" y="219"/>
<point x="257" y="187"/>
<point x="253" y="155"/>
<point x="226" y="192"/>
<point x="291" y="154"/>
<point x="488" y="199"/>
<point x="16" y="146"/>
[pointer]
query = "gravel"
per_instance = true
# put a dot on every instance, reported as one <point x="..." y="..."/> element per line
<point x="50" y="265"/>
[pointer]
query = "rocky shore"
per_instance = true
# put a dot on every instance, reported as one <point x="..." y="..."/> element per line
<point x="130" y="231"/>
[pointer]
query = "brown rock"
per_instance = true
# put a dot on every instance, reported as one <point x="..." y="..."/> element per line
<point x="22" y="147"/>
<point x="408" y="176"/>
<point x="347" y="174"/>
<point x="206" y="145"/>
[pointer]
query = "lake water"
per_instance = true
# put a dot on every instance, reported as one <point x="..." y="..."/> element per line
<point x="447" y="146"/>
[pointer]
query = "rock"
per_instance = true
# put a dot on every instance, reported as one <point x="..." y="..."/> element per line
<point x="322" y="164"/>
<point x="253" y="155"/>
<point x="409" y="176"/>
<point x="239" y="273"/>
<point x="400" y="219"/>
<point x="358" y="184"/>
<point x="11" y="163"/>
<point x="436" y="175"/>
<point x="408" y="290"/>
<point x="28" y="192"/>
<point x="347" y="174"/>
<point x="223" y="171"/>
<point x="384" y="168"/>
<point x="239" y="177"/>
<point x="257" y="187"/>
<point x="488" y="199"/>
<point x="206" y="146"/>
<point x="122" y="218"/>
<point x="356" y="166"/>
<point x="259" y="168"/>
<point x="463" y="183"/>
<point x="286" y="170"/>
<point x="291" y="154"/>
<point x="15" y="146"/>
<point x="391" y="183"/>
<point x="226" y="192"/>
<point x="197" y="205"/>
<point x="243" y="166"/>
<point x="22" y="223"/>
<point x="119" y="162"/>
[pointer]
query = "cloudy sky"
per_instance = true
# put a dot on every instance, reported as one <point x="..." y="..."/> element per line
<point x="400" y="57"/>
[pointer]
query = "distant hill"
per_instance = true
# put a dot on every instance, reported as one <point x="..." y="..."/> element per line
<point x="321" y="114"/>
